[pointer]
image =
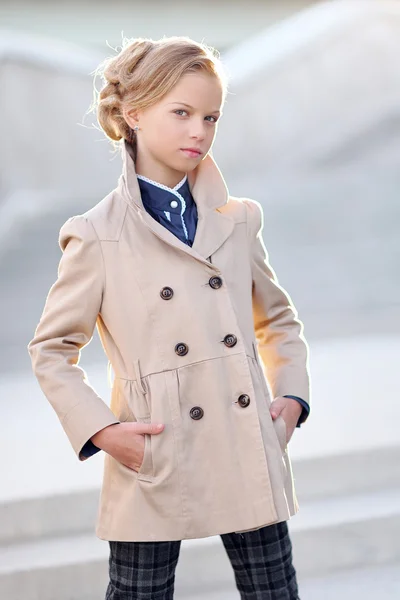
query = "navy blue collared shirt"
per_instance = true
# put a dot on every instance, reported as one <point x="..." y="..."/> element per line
<point x="176" y="209"/>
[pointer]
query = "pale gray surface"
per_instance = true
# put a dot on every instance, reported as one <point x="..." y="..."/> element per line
<point x="381" y="583"/>
<point x="323" y="89"/>
<point x="221" y="22"/>
<point x="350" y="481"/>
<point x="77" y="565"/>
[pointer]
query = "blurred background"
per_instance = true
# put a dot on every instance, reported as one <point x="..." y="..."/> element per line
<point x="311" y="129"/>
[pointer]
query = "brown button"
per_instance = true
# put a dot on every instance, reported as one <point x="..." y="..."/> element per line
<point x="196" y="412"/>
<point x="230" y="340"/>
<point x="244" y="400"/>
<point x="215" y="282"/>
<point x="166" y="293"/>
<point x="181" y="349"/>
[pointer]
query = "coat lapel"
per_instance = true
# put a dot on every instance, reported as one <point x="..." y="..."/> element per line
<point x="213" y="229"/>
<point x="210" y="193"/>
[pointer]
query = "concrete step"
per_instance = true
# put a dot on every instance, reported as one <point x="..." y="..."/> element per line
<point x="368" y="584"/>
<point x="328" y="535"/>
<point x="330" y="477"/>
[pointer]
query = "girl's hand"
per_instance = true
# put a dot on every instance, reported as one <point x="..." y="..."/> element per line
<point x="290" y="410"/>
<point x="125" y="441"/>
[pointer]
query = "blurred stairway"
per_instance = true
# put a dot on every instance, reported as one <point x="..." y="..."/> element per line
<point x="48" y="546"/>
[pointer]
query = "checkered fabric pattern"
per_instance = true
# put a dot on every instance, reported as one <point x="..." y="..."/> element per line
<point x="261" y="562"/>
<point x="142" y="570"/>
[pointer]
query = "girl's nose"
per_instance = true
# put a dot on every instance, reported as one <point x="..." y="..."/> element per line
<point x="198" y="131"/>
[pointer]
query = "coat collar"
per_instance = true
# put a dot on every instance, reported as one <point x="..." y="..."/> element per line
<point x="210" y="193"/>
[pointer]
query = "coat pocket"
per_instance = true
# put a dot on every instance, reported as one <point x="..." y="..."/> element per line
<point x="261" y="376"/>
<point x="139" y="404"/>
<point x="279" y="423"/>
<point x="280" y="430"/>
<point x="146" y="469"/>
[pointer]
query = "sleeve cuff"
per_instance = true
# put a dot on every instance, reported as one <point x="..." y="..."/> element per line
<point x="306" y="409"/>
<point x="89" y="449"/>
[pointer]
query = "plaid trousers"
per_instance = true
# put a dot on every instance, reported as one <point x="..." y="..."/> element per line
<point x="261" y="562"/>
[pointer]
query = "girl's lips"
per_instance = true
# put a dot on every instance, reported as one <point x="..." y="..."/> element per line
<point x="191" y="153"/>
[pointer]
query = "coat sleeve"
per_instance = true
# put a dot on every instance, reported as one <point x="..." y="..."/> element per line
<point x="278" y="330"/>
<point x="65" y="327"/>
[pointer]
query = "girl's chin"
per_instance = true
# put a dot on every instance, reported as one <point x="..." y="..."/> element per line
<point x="185" y="165"/>
<point x="190" y="162"/>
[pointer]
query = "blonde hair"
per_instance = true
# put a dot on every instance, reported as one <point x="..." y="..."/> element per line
<point x="142" y="73"/>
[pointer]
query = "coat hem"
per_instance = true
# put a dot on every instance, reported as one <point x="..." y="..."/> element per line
<point x="103" y="535"/>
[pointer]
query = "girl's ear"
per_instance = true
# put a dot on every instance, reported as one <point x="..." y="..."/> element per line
<point x="131" y="116"/>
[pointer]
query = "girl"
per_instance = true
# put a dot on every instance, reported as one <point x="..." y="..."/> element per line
<point x="174" y="272"/>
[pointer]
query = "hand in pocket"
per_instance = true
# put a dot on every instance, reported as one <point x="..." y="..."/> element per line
<point x="126" y="441"/>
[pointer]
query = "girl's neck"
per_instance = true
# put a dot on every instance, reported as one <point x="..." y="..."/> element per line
<point x="158" y="172"/>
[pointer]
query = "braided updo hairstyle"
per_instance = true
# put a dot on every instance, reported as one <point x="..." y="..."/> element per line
<point x="144" y="71"/>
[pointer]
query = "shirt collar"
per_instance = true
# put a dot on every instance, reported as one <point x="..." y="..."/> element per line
<point x="158" y="196"/>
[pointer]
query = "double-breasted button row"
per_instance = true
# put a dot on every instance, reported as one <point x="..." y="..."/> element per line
<point x="167" y="292"/>
<point x="197" y="412"/>
<point x="182" y="349"/>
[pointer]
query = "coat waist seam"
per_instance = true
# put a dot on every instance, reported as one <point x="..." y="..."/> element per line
<point x="242" y="352"/>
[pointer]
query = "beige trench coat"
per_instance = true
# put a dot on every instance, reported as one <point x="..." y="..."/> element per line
<point x="230" y="469"/>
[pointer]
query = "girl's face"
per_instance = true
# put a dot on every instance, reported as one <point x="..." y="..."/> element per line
<point x="186" y="118"/>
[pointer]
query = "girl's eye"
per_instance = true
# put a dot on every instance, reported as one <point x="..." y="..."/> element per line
<point x="179" y="112"/>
